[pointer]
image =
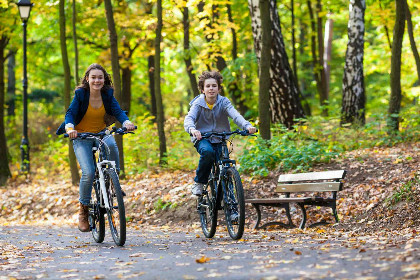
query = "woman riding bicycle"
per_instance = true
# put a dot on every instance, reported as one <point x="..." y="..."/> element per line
<point x="93" y="109"/>
<point x="209" y="112"/>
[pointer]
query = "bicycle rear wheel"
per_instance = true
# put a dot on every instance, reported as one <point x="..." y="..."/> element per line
<point x="116" y="213"/>
<point x="234" y="203"/>
<point x="96" y="215"/>
<point x="206" y="206"/>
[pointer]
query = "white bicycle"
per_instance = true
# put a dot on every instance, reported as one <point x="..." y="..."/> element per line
<point x="107" y="195"/>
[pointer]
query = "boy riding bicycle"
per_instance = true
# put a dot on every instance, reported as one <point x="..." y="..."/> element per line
<point x="210" y="112"/>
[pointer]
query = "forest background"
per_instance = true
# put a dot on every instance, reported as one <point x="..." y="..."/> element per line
<point x="64" y="37"/>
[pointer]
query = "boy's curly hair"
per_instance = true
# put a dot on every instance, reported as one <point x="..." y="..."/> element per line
<point x="209" y="75"/>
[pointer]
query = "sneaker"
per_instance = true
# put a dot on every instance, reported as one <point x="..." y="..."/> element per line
<point x="197" y="189"/>
<point x="234" y="217"/>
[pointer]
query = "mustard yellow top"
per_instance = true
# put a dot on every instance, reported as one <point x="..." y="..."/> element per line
<point x="210" y="105"/>
<point x="93" y="121"/>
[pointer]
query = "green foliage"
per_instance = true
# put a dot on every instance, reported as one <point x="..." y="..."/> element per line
<point x="286" y="150"/>
<point x="320" y="140"/>
<point x="43" y="95"/>
<point x="161" y="205"/>
<point x="404" y="192"/>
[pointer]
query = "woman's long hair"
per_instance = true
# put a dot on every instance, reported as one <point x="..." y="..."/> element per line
<point x="84" y="83"/>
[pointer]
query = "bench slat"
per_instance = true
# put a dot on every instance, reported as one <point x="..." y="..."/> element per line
<point x="326" y="175"/>
<point x="278" y="200"/>
<point x="309" y="187"/>
<point x="287" y="200"/>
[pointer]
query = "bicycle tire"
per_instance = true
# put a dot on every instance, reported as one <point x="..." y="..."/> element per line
<point x="206" y="206"/>
<point x="116" y="213"/>
<point x="234" y="201"/>
<point x="96" y="216"/>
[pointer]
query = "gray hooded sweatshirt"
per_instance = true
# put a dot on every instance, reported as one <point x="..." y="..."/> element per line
<point x="201" y="118"/>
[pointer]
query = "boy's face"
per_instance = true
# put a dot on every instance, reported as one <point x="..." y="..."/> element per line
<point x="211" y="88"/>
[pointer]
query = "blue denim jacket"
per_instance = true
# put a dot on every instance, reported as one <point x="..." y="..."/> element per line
<point x="200" y="117"/>
<point x="80" y="104"/>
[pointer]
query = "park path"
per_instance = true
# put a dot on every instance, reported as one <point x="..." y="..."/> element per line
<point x="61" y="252"/>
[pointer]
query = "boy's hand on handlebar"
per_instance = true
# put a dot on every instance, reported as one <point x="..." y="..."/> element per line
<point x="196" y="133"/>
<point x="251" y="130"/>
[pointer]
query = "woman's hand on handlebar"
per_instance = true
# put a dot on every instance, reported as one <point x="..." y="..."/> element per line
<point x="130" y="127"/>
<point x="72" y="133"/>
<point x="196" y="133"/>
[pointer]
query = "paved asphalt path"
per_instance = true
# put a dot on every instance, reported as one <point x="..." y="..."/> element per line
<point x="53" y="252"/>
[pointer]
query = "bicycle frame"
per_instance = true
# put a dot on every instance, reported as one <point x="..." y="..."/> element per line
<point x="102" y="163"/>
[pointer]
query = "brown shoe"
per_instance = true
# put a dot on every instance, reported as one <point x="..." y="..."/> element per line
<point x="83" y="218"/>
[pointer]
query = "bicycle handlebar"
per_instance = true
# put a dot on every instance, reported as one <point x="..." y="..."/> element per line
<point x="84" y="135"/>
<point x="225" y="134"/>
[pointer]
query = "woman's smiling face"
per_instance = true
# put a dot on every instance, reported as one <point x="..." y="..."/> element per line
<point x="96" y="79"/>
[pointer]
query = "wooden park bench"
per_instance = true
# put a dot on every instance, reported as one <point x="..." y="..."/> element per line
<point x="308" y="184"/>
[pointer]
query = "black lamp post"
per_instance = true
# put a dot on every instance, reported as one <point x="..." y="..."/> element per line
<point x="25" y="10"/>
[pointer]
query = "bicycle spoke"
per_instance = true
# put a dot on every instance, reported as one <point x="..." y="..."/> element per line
<point x="116" y="212"/>
<point x="234" y="203"/>
<point x="96" y="216"/>
<point x="206" y="209"/>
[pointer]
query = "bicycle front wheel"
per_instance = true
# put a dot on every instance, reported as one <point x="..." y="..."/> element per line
<point x="96" y="216"/>
<point x="206" y="207"/>
<point x="116" y="212"/>
<point x="234" y="203"/>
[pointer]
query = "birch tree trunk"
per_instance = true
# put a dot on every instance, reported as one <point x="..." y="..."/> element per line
<point x="354" y="96"/>
<point x="285" y="105"/>
<point x="75" y="177"/>
<point x="113" y="38"/>
<point x="323" y="94"/>
<point x="395" y="99"/>
<point x="328" y="35"/>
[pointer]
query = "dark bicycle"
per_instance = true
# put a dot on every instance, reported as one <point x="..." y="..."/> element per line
<point x="223" y="191"/>
<point x="107" y="195"/>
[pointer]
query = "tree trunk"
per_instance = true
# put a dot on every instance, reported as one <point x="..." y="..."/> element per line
<point x="354" y="96"/>
<point x="11" y="84"/>
<point x="159" y="103"/>
<point x="113" y="38"/>
<point x="285" y="103"/>
<point x="412" y="41"/>
<point x="126" y="88"/>
<point x="4" y="163"/>
<point x="187" y="52"/>
<point x="302" y="83"/>
<point x="76" y="50"/>
<point x="327" y="52"/>
<point x="264" y="69"/>
<point x="323" y="97"/>
<point x="75" y="178"/>
<point x="395" y="99"/>
<point x="315" y="63"/>
<point x="151" y="65"/>
<point x="292" y="7"/>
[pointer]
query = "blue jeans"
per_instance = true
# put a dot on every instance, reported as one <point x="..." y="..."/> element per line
<point x="83" y="150"/>
<point x="208" y="154"/>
